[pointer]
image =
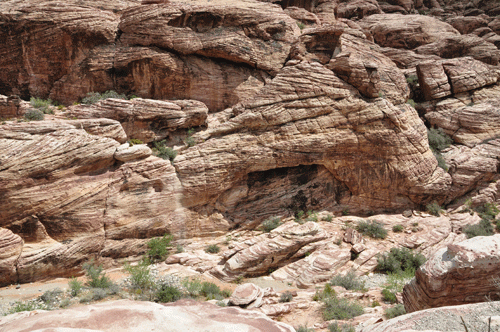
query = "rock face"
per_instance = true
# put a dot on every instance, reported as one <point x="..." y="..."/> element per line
<point x="11" y="246"/>
<point x="126" y="315"/>
<point x="145" y="119"/>
<point x="459" y="274"/>
<point x="445" y="319"/>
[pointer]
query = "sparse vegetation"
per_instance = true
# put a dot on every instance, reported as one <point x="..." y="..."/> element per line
<point x="213" y="249"/>
<point x="51" y="297"/>
<point x="31" y="305"/>
<point x="349" y="281"/>
<point x="75" y="287"/>
<point x="140" y="277"/>
<point x="411" y="103"/>
<point x="341" y="309"/>
<point x="286" y="297"/>
<point x="395" y="311"/>
<point x="167" y="293"/>
<point x="412" y="79"/>
<point x="399" y="260"/>
<point x="483" y="228"/>
<point x="41" y="105"/>
<point x="159" y="248"/>
<point x="95" y="276"/>
<point x="190" y="141"/>
<point x="397" y="228"/>
<point x="301" y="25"/>
<point x="434" y="208"/>
<point x="372" y="229"/>
<point x="303" y="328"/>
<point x="270" y="224"/>
<point x="389" y="296"/>
<point x="94" y="97"/>
<point x="34" y="115"/>
<point x="328" y="218"/>
<point x="161" y="151"/>
<point x="438" y="141"/>
<point x="335" y="327"/>
<point x="134" y="141"/>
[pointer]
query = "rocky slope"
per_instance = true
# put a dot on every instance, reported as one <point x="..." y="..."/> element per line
<point x="272" y="108"/>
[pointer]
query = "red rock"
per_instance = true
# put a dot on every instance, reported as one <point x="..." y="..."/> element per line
<point x="11" y="246"/>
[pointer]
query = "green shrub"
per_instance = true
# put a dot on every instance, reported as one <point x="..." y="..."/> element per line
<point x="335" y="327"/>
<point x="161" y="151"/>
<point x="190" y="141"/>
<point x="349" y="281"/>
<point x="397" y="228"/>
<point x="134" y="141"/>
<point x="389" y="296"/>
<point x="34" y="115"/>
<point x="411" y="103"/>
<point x="94" y="97"/>
<point x="412" y="79"/>
<point x="341" y="309"/>
<point x="30" y="305"/>
<point x="487" y="211"/>
<point x="372" y="229"/>
<point x="440" y="159"/>
<point x="41" y="105"/>
<point x="303" y="328"/>
<point x="434" y="208"/>
<point x="327" y="292"/>
<point x="397" y="310"/>
<point x="159" y="248"/>
<point x="286" y="297"/>
<point x="179" y="249"/>
<point x="270" y="224"/>
<point x="51" y="296"/>
<point x="312" y="216"/>
<point x="75" y="287"/>
<point x="328" y="218"/>
<point x="167" y="293"/>
<point x="140" y="276"/>
<point x="209" y="289"/>
<point x="301" y="25"/>
<point x="396" y="281"/>
<point x="95" y="276"/>
<point x="483" y="228"/>
<point x="212" y="249"/>
<point x="94" y="294"/>
<point x="438" y="139"/>
<point x="375" y="304"/>
<point x="399" y="260"/>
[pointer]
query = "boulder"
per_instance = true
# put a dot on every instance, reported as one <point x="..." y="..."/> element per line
<point x="11" y="246"/>
<point x="467" y="24"/>
<point x="406" y="31"/>
<point x="245" y="294"/>
<point x="145" y="119"/>
<point x="126" y="315"/>
<point x="125" y="152"/>
<point x="459" y="274"/>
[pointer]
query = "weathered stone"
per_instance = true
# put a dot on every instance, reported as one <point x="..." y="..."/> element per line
<point x="406" y="31"/>
<point x="126" y="315"/>
<point x="302" y="15"/>
<point x="11" y="246"/>
<point x="245" y="294"/>
<point x="125" y="152"/>
<point x="145" y="119"/>
<point x="467" y="24"/>
<point x="459" y="274"/>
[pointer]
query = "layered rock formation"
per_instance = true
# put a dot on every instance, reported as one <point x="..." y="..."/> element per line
<point x="126" y="315"/>
<point x="462" y="273"/>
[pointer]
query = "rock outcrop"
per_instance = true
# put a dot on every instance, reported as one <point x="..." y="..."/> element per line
<point x="126" y="315"/>
<point x="459" y="274"/>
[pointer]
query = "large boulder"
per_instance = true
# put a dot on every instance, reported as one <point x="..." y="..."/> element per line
<point x="126" y="315"/>
<point x="459" y="274"/>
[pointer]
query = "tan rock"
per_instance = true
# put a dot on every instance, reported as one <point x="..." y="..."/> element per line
<point x="459" y="274"/>
<point x="467" y="24"/>
<point x="126" y="315"/>
<point x="145" y="119"/>
<point x="406" y="31"/>
<point x="302" y="15"/>
<point x="462" y="46"/>
<point x="245" y="294"/>
<point x="125" y="152"/>
<point x="11" y="246"/>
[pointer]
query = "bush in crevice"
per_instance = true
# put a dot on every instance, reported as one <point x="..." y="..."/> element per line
<point x="212" y="249"/>
<point x="161" y="151"/>
<point x="372" y="229"/>
<point x="94" y="97"/>
<point x="399" y="260"/>
<point x="438" y="141"/>
<point x="286" y="297"/>
<point x="434" y="208"/>
<point x="41" y="105"/>
<point x="270" y="224"/>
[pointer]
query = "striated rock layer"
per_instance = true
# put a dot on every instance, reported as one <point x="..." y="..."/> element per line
<point x="461" y="273"/>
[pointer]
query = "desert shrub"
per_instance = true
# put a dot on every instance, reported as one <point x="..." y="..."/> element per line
<point x="179" y="249"/>
<point x="440" y="159"/>
<point x="192" y="287"/>
<point x="375" y="304"/>
<point x="412" y="79"/>
<point x="483" y="228"/>
<point x="341" y="309"/>
<point x="41" y="105"/>
<point x="301" y="25"/>
<point x="159" y="248"/>
<point x="327" y="292"/>
<point x="434" y="208"/>
<point x="303" y="328"/>
<point x="140" y="276"/>
<point x="397" y="310"/>
<point x="487" y="211"/>
<point x="75" y="287"/>
<point x="64" y="303"/>
<point x="212" y="249"/>
<point x="396" y="281"/>
<point x="34" y="115"/>
<point x="94" y="294"/>
<point x="168" y="293"/>
<point x="270" y="224"/>
<point x="372" y="229"/>
<point x="335" y="327"/>
<point x="328" y="218"/>
<point x="161" y="151"/>
<point x="389" y="296"/>
<point x="51" y="296"/>
<point x="95" y="277"/>
<point x="209" y="290"/>
<point x="134" y="141"/>
<point x="399" y="260"/>
<point x="438" y="139"/>
<point x="397" y="228"/>
<point x="30" y="305"/>
<point x="286" y="297"/>
<point x="349" y="281"/>
<point x="94" y="97"/>
<point x="411" y="103"/>
<point x="312" y="216"/>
